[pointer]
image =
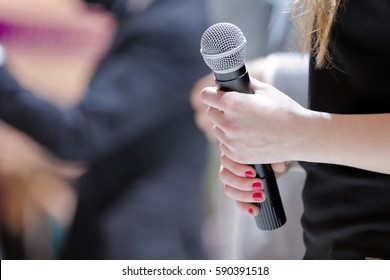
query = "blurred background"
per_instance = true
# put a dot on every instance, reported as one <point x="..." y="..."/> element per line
<point x="52" y="48"/>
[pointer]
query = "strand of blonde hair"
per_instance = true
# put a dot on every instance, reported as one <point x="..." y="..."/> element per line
<point x="315" y="19"/>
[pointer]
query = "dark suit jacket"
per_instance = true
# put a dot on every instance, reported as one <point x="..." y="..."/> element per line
<point x="141" y="196"/>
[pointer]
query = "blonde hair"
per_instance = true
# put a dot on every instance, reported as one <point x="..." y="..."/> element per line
<point x="315" y="19"/>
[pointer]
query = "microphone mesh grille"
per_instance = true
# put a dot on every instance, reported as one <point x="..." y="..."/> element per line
<point x="223" y="47"/>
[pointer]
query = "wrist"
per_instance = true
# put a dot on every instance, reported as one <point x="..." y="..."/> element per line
<point x="315" y="136"/>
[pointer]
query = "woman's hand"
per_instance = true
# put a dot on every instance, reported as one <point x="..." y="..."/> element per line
<point x="264" y="127"/>
<point x="241" y="185"/>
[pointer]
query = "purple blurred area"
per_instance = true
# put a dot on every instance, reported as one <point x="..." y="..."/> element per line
<point x="47" y="36"/>
<point x="82" y="30"/>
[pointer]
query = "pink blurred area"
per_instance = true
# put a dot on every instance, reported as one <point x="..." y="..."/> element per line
<point x="53" y="45"/>
<point x="52" y="48"/>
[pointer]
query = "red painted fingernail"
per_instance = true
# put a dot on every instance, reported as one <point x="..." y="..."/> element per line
<point x="249" y="174"/>
<point x="250" y="210"/>
<point x="257" y="186"/>
<point x="258" y="196"/>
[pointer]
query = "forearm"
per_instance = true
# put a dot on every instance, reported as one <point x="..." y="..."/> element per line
<point x="360" y="141"/>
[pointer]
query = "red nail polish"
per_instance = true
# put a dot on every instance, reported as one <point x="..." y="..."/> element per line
<point x="257" y="186"/>
<point x="258" y="196"/>
<point x="250" y="210"/>
<point x="249" y="174"/>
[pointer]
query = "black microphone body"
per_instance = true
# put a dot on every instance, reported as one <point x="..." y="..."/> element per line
<point x="271" y="214"/>
<point x="237" y="80"/>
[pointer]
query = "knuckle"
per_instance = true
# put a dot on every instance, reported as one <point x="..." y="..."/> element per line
<point x="223" y="159"/>
<point x="231" y="193"/>
<point x="235" y="152"/>
<point x="228" y="141"/>
<point x="222" y="174"/>
<point x="227" y="191"/>
<point x="210" y="111"/>
<point x="229" y="100"/>
<point x="226" y="100"/>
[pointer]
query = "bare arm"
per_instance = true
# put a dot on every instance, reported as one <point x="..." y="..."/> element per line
<point x="361" y="141"/>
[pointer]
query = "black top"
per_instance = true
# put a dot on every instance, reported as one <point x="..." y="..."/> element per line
<point x="347" y="210"/>
<point x="141" y="197"/>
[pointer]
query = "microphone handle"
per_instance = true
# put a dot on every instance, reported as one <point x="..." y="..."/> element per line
<point x="272" y="215"/>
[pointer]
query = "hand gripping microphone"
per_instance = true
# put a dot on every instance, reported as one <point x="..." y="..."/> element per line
<point x="223" y="47"/>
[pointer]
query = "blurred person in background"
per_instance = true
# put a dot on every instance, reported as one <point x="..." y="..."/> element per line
<point x="273" y="57"/>
<point x="53" y="53"/>
<point x="141" y="196"/>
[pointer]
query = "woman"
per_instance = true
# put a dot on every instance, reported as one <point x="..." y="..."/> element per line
<point x="341" y="141"/>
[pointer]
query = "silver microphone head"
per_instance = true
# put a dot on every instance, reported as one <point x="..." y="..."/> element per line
<point x="223" y="47"/>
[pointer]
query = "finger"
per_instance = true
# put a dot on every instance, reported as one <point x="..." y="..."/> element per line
<point x="240" y="183"/>
<point x="221" y="136"/>
<point x="279" y="167"/>
<point x="215" y="116"/>
<point x="242" y="170"/>
<point x="225" y="150"/>
<point x="248" y="208"/>
<point x="244" y="196"/>
<point x="224" y="147"/>
<point x="212" y="97"/>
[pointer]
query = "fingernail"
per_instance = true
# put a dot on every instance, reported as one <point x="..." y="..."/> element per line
<point x="258" y="196"/>
<point x="250" y="210"/>
<point x="257" y="186"/>
<point x="210" y="90"/>
<point x="249" y="174"/>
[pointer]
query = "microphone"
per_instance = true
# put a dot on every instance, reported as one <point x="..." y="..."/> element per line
<point x="223" y="47"/>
